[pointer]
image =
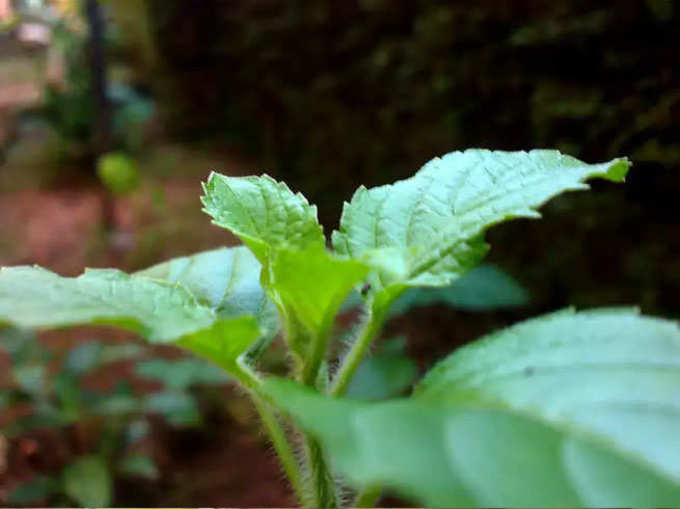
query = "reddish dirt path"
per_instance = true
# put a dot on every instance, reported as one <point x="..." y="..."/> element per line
<point x="18" y="95"/>
<point x="49" y="228"/>
<point x="62" y="229"/>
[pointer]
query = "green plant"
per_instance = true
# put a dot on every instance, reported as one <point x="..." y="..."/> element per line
<point x="41" y="398"/>
<point x="573" y="408"/>
<point x="71" y="111"/>
<point x="118" y="172"/>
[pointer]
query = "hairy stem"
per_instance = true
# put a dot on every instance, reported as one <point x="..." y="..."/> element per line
<point x="323" y="493"/>
<point x="368" y="497"/>
<point x="282" y="446"/>
<point x="310" y="371"/>
<point x="356" y="354"/>
<point x="309" y="349"/>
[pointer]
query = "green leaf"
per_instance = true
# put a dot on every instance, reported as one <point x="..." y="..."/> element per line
<point x="115" y="405"/>
<point x="308" y="287"/>
<point x="88" y="482"/>
<point x="138" y="465"/>
<point x="427" y="230"/>
<point x="629" y="363"/>
<point x="23" y="346"/>
<point x="262" y="212"/>
<point x="36" y="298"/>
<point x="226" y="279"/>
<point x="84" y="358"/>
<point x="225" y="344"/>
<point x="182" y="373"/>
<point x="31" y="378"/>
<point x="385" y="374"/>
<point x="571" y="409"/>
<point x="312" y="284"/>
<point x="92" y="354"/>
<point x="7" y="398"/>
<point x="36" y="490"/>
<point x="161" y="311"/>
<point x="485" y="287"/>
<point x="135" y="431"/>
<point x="178" y="407"/>
<point x="68" y="396"/>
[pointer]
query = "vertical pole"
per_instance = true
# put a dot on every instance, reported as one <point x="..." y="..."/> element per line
<point x="101" y="136"/>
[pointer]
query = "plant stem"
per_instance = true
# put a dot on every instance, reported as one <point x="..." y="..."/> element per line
<point x="281" y="445"/>
<point x="368" y="496"/>
<point x="356" y="354"/>
<point x="323" y="490"/>
<point x="310" y="371"/>
<point x="245" y="375"/>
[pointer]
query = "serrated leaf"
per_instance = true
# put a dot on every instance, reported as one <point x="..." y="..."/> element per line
<point x="88" y="482"/>
<point x="160" y="311"/>
<point x="226" y="279"/>
<point x="37" y="298"/>
<point x="483" y="288"/>
<point x="427" y="230"/>
<point x="262" y="212"/>
<point x="572" y="409"/>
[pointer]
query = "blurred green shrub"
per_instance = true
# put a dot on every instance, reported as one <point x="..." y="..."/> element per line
<point x="69" y="107"/>
<point x="42" y="397"/>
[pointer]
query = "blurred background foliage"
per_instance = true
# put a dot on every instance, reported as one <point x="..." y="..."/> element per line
<point x="325" y="95"/>
<point x="372" y="88"/>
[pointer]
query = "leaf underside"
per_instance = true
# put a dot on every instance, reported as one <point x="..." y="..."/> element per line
<point x="35" y="297"/>
<point x="571" y="409"/>
<point x="211" y="303"/>
<point x="611" y="372"/>
<point x="226" y="279"/>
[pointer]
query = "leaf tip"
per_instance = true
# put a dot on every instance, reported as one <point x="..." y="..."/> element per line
<point x="618" y="169"/>
<point x="211" y="176"/>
